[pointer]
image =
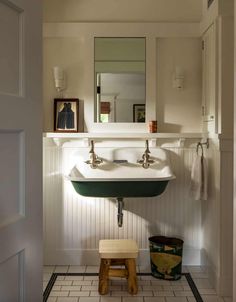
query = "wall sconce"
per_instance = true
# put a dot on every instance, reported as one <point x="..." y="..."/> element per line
<point x="178" y="78"/>
<point x="59" y="78"/>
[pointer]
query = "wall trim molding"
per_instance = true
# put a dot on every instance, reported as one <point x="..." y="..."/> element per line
<point x="109" y="142"/>
<point x="154" y="29"/>
<point x="91" y="257"/>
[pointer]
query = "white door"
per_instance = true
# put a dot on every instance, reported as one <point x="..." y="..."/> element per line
<point x="20" y="151"/>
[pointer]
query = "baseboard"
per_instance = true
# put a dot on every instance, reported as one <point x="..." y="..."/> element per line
<point x="225" y="286"/>
<point x="91" y="257"/>
<point x="222" y="283"/>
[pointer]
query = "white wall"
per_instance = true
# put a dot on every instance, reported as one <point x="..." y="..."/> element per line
<point x="179" y="110"/>
<point x="77" y="55"/>
<point x="226" y="76"/>
<point x="71" y="54"/>
<point x="211" y="215"/>
<point x="74" y="224"/>
<point x="234" y="166"/>
<point x="217" y="216"/>
<point x="225" y="281"/>
<point x="217" y="213"/>
<point x="122" y="10"/>
<point x="217" y="8"/>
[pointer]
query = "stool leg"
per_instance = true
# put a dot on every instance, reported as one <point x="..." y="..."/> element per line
<point x="103" y="276"/>
<point x="132" y="277"/>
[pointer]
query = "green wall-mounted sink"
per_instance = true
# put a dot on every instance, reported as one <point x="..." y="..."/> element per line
<point x="120" y="176"/>
<point x="125" y="179"/>
<point x="120" y="188"/>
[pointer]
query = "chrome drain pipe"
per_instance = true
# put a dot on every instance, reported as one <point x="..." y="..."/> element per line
<point x="120" y="205"/>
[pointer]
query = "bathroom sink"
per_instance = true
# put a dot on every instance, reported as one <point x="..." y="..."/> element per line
<point x="119" y="187"/>
<point x="122" y="179"/>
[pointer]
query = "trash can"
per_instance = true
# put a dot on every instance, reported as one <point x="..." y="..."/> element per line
<point x="166" y="257"/>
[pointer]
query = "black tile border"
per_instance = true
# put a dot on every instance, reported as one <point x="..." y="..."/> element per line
<point x="193" y="287"/>
<point x="54" y="276"/>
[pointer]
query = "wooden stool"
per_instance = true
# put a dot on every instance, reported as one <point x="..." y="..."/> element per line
<point x="118" y="252"/>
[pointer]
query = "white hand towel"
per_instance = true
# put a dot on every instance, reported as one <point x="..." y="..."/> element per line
<point x="199" y="178"/>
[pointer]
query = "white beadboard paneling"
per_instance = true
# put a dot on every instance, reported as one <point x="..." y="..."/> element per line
<point x="217" y="216"/>
<point x="73" y="225"/>
<point x="226" y="230"/>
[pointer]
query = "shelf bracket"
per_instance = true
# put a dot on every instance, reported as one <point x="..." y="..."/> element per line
<point x="153" y="143"/>
<point x="181" y="142"/>
<point x="86" y="142"/>
<point x="57" y="141"/>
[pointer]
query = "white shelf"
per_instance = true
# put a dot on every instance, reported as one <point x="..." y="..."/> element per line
<point x="122" y="135"/>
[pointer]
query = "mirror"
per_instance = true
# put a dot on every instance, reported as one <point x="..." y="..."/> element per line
<point x="120" y="80"/>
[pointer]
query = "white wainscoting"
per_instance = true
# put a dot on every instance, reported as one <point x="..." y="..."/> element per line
<point x="73" y="225"/>
<point x="217" y="217"/>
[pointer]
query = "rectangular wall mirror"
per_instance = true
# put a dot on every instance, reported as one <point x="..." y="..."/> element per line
<point x="120" y="80"/>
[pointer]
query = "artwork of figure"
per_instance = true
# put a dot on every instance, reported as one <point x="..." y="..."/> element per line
<point x="69" y="117"/>
<point x="66" y="117"/>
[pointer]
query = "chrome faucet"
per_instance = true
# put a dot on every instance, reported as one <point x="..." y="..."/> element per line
<point x="146" y="161"/>
<point x="94" y="160"/>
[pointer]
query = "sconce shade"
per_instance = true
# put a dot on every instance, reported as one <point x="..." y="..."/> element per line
<point x="58" y="73"/>
<point x="59" y="78"/>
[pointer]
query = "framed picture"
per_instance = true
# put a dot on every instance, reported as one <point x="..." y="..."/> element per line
<point x="66" y="115"/>
<point x="139" y="113"/>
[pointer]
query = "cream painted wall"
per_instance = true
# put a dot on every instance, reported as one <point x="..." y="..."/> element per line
<point x="122" y="10"/>
<point x="172" y="105"/>
<point x="179" y="110"/>
<point x="234" y="167"/>
<point x="211" y="215"/>
<point x="67" y="53"/>
<point x="217" y="216"/>
<point x="71" y="54"/>
<point x="226" y="76"/>
<point x="217" y="8"/>
<point x="217" y="212"/>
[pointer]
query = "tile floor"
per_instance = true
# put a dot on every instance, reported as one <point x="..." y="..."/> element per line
<point x="84" y="288"/>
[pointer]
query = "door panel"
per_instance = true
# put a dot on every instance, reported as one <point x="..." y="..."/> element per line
<point x="12" y="178"/>
<point x="20" y="151"/>
<point x="11" y="48"/>
<point x="12" y="278"/>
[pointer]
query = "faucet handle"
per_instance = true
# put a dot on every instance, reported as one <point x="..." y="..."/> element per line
<point x="94" y="160"/>
<point x="92" y="147"/>
<point x="146" y="160"/>
<point x="98" y="160"/>
<point x="147" y="146"/>
<point x="140" y="161"/>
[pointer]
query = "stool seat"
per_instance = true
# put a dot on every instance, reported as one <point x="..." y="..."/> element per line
<point x="118" y="249"/>
<point x="116" y="252"/>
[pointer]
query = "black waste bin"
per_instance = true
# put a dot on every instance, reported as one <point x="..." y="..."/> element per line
<point x="166" y="257"/>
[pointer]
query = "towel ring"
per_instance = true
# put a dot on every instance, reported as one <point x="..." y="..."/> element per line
<point x="200" y="145"/>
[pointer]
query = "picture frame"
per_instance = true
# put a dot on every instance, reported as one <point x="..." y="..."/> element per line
<point x="66" y="115"/>
<point x="139" y="113"/>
